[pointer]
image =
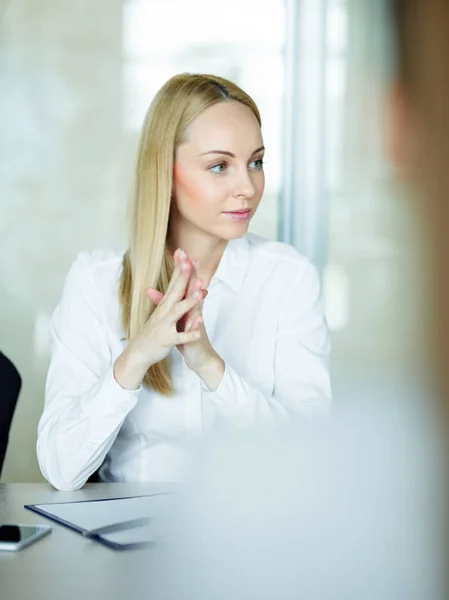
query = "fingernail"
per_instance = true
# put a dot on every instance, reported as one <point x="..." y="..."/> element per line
<point x="181" y="253"/>
<point x="197" y="295"/>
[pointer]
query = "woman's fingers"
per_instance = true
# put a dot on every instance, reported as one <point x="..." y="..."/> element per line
<point x="184" y="337"/>
<point x="182" y="308"/>
<point x="154" y="295"/>
<point x="165" y="327"/>
<point x="195" y="313"/>
<point x="183" y="286"/>
<point x="178" y="258"/>
<point x="177" y="291"/>
<point x="195" y="284"/>
<point x="195" y="324"/>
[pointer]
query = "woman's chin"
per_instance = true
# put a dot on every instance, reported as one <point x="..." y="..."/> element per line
<point x="235" y="230"/>
<point x="235" y="235"/>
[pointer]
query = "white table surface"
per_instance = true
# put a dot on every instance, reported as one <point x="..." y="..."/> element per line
<point x="64" y="564"/>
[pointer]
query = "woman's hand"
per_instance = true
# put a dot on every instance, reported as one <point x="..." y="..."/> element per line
<point x="199" y="355"/>
<point x="162" y="331"/>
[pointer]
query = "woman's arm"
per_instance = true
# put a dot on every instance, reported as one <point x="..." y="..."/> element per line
<point x="302" y="388"/>
<point x="84" y="405"/>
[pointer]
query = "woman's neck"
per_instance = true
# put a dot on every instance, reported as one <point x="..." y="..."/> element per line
<point x="205" y="250"/>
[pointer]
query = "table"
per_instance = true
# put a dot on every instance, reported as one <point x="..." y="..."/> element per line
<point x="64" y="564"/>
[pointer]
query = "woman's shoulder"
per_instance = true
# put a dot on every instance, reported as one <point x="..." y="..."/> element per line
<point x="98" y="268"/>
<point x="286" y="259"/>
<point x="99" y="259"/>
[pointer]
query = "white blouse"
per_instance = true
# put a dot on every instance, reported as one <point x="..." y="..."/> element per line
<point x="263" y="316"/>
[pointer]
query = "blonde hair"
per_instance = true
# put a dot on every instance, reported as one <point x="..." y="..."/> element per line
<point x="148" y="262"/>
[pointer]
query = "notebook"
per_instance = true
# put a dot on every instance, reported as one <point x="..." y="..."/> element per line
<point x="120" y="523"/>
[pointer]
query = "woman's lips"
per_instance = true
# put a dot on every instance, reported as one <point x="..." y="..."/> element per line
<point x="239" y="215"/>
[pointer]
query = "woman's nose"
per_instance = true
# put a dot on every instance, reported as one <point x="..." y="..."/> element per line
<point x="244" y="186"/>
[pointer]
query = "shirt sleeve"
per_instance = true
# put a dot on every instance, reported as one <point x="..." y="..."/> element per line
<point x="84" y="405"/>
<point x="302" y="389"/>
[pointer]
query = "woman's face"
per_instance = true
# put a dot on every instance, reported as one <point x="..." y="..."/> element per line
<point x="218" y="177"/>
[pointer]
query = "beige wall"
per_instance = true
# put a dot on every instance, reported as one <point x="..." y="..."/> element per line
<point x="61" y="156"/>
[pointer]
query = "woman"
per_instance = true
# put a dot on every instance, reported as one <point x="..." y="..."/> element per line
<point x="142" y="362"/>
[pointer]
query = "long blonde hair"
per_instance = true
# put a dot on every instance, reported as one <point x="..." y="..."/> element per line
<point x="148" y="263"/>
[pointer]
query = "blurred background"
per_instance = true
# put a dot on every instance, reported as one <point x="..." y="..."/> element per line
<point x="76" y="78"/>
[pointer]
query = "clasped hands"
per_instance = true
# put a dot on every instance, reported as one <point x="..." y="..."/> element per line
<point x="184" y="300"/>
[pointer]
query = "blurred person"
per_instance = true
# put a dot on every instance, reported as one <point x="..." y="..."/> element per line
<point x="419" y="143"/>
<point x="358" y="507"/>
<point x="197" y="325"/>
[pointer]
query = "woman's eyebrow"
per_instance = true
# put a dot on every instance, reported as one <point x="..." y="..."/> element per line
<point x="229" y="153"/>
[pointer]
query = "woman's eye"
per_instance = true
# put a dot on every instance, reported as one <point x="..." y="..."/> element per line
<point x="217" y="169"/>
<point x="257" y="164"/>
